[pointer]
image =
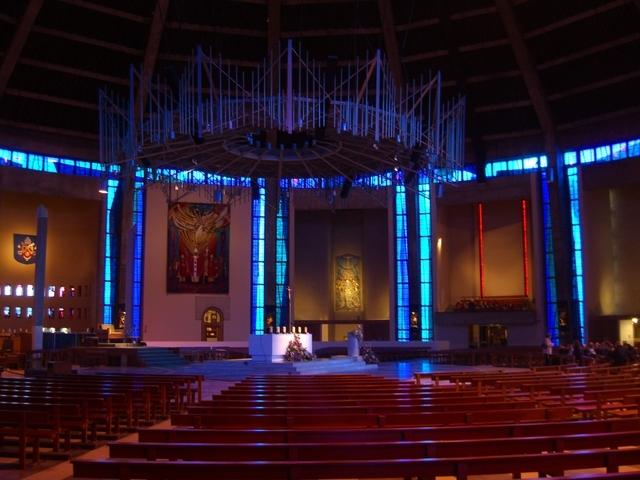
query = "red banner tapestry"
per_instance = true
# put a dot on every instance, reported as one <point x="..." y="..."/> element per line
<point x="198" y="248"/>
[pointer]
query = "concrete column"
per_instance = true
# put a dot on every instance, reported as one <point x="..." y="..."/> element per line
<point x="42" y="216"/>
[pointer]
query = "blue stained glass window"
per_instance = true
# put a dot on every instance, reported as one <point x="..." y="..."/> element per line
<point x="257" y="258"/>
<point x="19" y="159"/>
<point x="282" y="254"/>
<point x="619" y="151"/>
<point x="570" y="158"/>
<point x="110" y="250"/>
<point x="587" y="156"/>
<point x="35" y="162"/>
<point x="5" y="155"/>
<point x="515" y="166"/>
<point x="576" y="236"/>
<point x="549" y="264"/>
<point x="138" y="260"/>
<point x="603" y="154"/>
<point x="424" y="243"/>
<point x="402" y="259"/>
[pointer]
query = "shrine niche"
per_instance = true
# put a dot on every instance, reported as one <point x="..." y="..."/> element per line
<point x="212" y="325"/>
<point x="348" y="283"/>
<point x="198" y="248"/>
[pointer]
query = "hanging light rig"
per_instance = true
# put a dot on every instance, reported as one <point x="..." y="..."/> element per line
<point x="288" y="117"/>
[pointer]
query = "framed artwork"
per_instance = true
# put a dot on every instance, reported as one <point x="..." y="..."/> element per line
<point x="198" y="248"/>
<point x="348" y="283"/>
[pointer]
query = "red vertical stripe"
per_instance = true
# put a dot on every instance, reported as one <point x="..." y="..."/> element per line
<point x="525" y="248"/>
<point x="481" y="247"/>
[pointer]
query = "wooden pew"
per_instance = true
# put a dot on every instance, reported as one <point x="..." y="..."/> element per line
<point x="414" y="397"/>
<point x="382" y="408"/>
<point x="367" y="420"/>
<point x="28" y="426"/>
<point x="143" y="398"/>
<point x="94" y="409"/>
<point x="371" y="450"/>
<point x="413" y="433"/>
<point x="458" y="467"/>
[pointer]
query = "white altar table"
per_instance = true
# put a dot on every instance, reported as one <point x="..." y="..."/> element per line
<point x="272" y="347"/>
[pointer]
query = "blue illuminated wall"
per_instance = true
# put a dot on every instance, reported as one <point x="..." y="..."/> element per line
<point x="425" y="266"/>
<point x="402" y="264"/>
<point x="257" y="256"/>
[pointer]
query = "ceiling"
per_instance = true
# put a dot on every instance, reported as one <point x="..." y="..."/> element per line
<point x="537" y="74"/>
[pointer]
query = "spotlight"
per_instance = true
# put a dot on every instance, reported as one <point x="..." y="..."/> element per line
<point x="102" y="189"/>
<point x="635" y="320"/>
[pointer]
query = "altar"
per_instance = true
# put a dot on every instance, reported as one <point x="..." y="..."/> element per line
<point x="272" y="347"/>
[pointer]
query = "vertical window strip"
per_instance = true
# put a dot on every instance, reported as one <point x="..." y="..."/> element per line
<point x="549" y="263"/>
<point x="424" y="242"/>
<point x="402" y="260"/>
<point x="110" y="251"/>
<point x="257" y="258"/>
<point x="138" y="257"/>
<point x="282" y="247"/>
<point x="576" y="236"/>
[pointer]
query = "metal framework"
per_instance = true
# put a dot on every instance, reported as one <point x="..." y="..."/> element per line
<point x="289" y="117"/>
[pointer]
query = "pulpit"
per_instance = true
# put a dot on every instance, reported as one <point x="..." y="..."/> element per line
<point x="272" y="347"/>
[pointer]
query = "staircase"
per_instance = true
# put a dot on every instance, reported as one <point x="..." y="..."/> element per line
<point x="160" y="357"/>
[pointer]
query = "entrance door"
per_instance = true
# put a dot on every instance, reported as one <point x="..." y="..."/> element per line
<point x="212" y="325"/>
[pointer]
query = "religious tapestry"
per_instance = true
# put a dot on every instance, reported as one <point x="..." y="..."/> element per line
<point x="198" y="248"/>
<point x="24" y="248"/>
<point x="348" y="283"/>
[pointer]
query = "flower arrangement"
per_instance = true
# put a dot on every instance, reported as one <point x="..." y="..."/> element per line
<point x="296" y="352"/>
<point x="368" y="355"/>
